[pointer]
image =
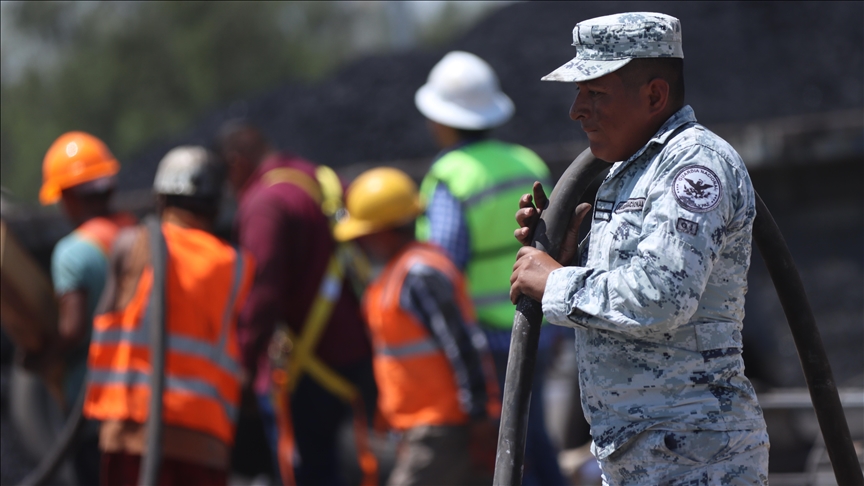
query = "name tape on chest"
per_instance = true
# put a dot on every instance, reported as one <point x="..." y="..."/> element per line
<point x="630" y="205"/>
<point x="697" y="189"/>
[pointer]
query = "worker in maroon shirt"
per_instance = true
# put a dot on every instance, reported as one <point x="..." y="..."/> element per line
<point x="302" y="296"/>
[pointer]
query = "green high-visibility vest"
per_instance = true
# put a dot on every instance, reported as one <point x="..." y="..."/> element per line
<point x="487" y="177"/>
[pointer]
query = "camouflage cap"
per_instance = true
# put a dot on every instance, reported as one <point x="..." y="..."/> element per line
<point x="605" y="44"/>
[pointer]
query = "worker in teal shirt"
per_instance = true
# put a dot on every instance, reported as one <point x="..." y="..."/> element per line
<point x="80" y="172"/>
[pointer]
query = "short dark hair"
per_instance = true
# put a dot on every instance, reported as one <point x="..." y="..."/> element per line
<point x="670" y="69"/>
<point x="240" y="135"/>
<point x="465" y="134"/>
<point x="407" y="229"/>
<point x="102" y="197"/>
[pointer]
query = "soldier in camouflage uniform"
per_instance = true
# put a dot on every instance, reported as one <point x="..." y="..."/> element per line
<point x="657" y="293"/>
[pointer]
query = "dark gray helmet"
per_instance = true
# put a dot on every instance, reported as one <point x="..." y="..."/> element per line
<point x="191" y="171"/>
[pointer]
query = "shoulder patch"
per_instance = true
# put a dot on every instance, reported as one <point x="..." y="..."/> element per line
<point x="697" y="188"/>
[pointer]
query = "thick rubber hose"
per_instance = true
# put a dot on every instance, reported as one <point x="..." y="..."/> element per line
<point x="814" y="360"/>
<point x="152" y="459"/>
<point x="548" y="236"/>
<point x="49" y="464"/>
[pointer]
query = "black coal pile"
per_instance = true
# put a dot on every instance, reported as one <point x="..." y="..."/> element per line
<point x="15" y="462"/>
<point x="744" y="61"/>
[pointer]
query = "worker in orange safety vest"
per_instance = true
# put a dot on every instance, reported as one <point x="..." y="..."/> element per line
<point x="206" y="283"/>
<point x="435" y="375"/>
<point x="79" y="172"/>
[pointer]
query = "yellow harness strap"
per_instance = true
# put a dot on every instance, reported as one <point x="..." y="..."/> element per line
<point x="296" y="177"/>
<point x="303" y="358"/>
<point x="331" y="189"/>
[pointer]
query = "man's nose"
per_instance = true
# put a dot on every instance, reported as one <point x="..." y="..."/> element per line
<point x="578" y="108"/>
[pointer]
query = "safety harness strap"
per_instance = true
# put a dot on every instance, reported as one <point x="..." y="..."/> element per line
<point x="317" y="318"/>
<point x="325" y="190"/>
<point x="296" y="177"/>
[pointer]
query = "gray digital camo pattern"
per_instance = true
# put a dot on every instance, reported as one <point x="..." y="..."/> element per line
<point x="658" y="301"/>
<point x="605" y="44"/>
<point x="696" y="458"/>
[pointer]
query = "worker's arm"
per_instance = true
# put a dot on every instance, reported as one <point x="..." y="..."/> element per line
<point x="72" y="322"/>
<point x="78" y="269"/>
<point x="431" y="297"/>
<point x="129" y="255"/>
<point x="447" y="226"/>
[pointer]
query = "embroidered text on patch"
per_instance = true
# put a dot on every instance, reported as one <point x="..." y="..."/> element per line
<point x="697" y="188"/>
<point x="603" y="210"/>
<point x="635" y="204"/>
<point x="687" y="226"/>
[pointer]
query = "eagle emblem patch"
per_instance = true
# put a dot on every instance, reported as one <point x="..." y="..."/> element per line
<point x="697" y="188"/>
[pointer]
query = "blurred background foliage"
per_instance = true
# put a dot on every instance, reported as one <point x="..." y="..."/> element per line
<point x="134" y="72"/>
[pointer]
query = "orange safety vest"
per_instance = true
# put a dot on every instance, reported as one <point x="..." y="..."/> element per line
<point x="416" y="383"/>
<point x="206" y="284"/>
<point x="103" y="230"/>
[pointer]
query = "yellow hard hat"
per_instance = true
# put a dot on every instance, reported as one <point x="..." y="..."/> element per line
<point x="73" y="159"/>
<point x="378" y="199"/>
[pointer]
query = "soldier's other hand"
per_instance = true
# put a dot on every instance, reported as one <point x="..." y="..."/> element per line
<point x="571" y="240"/>
<point x="530" y="272"/>
<point x="529" y="213"/>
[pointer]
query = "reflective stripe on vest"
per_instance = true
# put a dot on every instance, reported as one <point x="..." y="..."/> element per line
<point x="487" y="177"/>
<point x="420" y="347"/>
<point x="500" y="187"/>
<point x="215" y="353"/>
<point x="491" y="299"/>
<point x="172" y="383"/>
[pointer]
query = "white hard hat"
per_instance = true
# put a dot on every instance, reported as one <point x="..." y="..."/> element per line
<point x="463" y="92"/>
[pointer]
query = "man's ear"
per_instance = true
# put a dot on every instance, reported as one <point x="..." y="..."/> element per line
<point x="657" y="91"/>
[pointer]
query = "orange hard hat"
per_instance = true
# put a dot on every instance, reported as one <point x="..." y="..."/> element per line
<point x="73" y="159"/>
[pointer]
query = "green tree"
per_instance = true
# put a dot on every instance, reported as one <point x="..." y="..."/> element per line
<point x="133" y="72"/>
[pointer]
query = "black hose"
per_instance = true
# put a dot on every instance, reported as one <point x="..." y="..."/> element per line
<point x="548" y="236"/>
<point x="152" y="459"/>
<point x="52" y="461"/>
<point x="814" y="360"/>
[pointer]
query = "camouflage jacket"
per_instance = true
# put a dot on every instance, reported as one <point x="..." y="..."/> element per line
<point x="658" y="300"/>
